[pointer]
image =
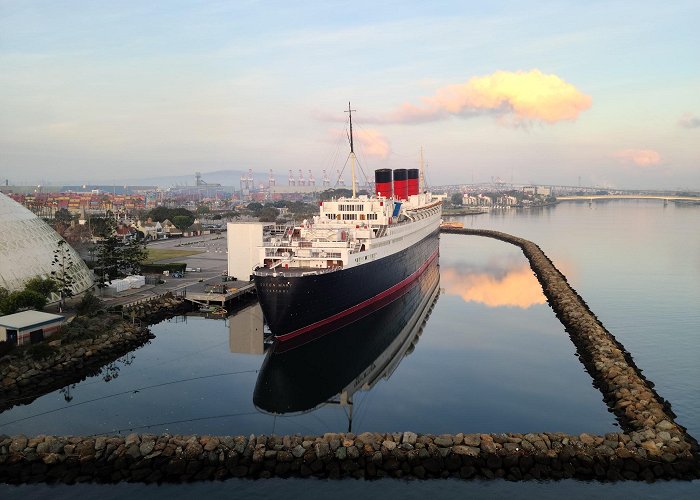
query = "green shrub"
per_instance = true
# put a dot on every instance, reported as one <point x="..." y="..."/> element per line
<point x="159" y="268"/>
<point x="89" y="305"/>
<point x="24" y="299"/>
<point x="40" y="351"/>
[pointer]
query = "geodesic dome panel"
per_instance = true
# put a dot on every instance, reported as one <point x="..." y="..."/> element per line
<point x="27" y="245"/>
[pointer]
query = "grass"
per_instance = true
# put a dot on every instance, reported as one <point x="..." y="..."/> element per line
<point x="158" y="254"/>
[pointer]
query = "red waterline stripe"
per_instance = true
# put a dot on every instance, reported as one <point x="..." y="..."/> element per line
<point x="401" y="284"/>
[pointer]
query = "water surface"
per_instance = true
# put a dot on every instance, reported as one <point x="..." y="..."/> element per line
<point x="490" y="358"/>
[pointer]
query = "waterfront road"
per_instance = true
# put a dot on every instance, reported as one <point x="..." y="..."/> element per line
<point x="211" y="261"/>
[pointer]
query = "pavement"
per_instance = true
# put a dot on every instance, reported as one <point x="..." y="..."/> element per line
<point x="212" y="262"/>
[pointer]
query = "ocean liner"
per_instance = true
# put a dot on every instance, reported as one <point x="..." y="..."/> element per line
<point x="357" y="254"/>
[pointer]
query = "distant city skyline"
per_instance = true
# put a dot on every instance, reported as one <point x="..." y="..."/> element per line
<point x="533" y="92"/>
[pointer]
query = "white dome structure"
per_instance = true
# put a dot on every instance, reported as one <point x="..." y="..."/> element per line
<point x="27" y="246"/>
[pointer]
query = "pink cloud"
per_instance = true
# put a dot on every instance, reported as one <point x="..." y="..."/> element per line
<point x="518" y="98"/>
<point x="371" y="142"/>
<point x="639" y="157"/>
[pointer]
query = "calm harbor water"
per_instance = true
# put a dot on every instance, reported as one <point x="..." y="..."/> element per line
<point x="478" y="351"/>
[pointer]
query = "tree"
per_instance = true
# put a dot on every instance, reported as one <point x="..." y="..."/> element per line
<point x="255" y="208"/>
<point x="116" y="258"/>
<point x="457" y="199"/>
<point x="103" y="226"/>
<point x="63" y="216"/>
<point x="4" y="294"/>
<point x="161" y="213"/>
<point x="43" y="286"/>
<point x="89" y="304"/>
<point x="22" y="300"/>
<point x="106" y="267"/>
<point x="334" y="193"/>
<point x="61" y="221"/>
<point x="77" y="235"/>
<point x="182" y="222"/>
<point x="268" y="214"/>
<point x="63" y="271"/>
<point x="131" y="255"/>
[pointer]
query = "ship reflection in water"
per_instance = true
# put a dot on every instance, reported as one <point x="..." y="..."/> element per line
<point x="331" y="368"/>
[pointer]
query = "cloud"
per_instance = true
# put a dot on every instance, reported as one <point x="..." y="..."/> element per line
<point x="518" y="287"/>
<point x="371" y="142"/>
<point x="639" y="157"/>
<point x="688" y="120"/>
<point x="517" y="98"/>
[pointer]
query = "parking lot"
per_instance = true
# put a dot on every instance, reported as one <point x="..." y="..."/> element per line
<point x="211" y="261"/>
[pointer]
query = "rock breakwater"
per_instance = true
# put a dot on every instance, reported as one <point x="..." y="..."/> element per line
<point x="644" y="415"/>
<point x="164" y="458"/>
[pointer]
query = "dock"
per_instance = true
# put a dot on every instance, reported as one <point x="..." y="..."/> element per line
<point x="220" y="294"/>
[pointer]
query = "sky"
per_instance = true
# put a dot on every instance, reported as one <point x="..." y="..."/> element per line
<point x="603" y="93"/>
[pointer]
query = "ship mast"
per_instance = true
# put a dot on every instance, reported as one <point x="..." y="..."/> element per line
<point x="352" y="153"/>
<point x="421" y="187"/>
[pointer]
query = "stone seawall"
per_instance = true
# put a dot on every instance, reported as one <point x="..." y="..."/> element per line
<point x="164" y="458"/>
<point x="651" y="447"/>
<point x="157" y="309"/>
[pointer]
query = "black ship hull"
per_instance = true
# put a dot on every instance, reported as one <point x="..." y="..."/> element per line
<point x="297" y="305"/>
<point x="352" y="357"/>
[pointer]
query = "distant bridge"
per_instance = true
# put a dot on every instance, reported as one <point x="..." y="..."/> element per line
<point x="591" y="197"/>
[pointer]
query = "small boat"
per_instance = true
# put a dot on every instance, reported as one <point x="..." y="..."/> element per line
<point x="451" y="225"/>
<point x="209" y="309"/>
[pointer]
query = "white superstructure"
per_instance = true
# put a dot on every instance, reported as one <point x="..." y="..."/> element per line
<point x="348" y="232"/>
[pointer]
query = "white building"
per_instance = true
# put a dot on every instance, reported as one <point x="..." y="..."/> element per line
<point x="485" y="201"/>
<point x="507" y="200"/>
<point x="469" y="200"/>
<point x="539" y="190"/>
<point x="28" y="326"/>
<point x="27" y="246"/>
<point x="243" y="240"/>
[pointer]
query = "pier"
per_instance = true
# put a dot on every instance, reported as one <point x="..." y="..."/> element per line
<point x="221" y="294"/>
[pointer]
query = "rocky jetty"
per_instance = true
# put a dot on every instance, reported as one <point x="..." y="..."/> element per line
<point x="644" y="415"/>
